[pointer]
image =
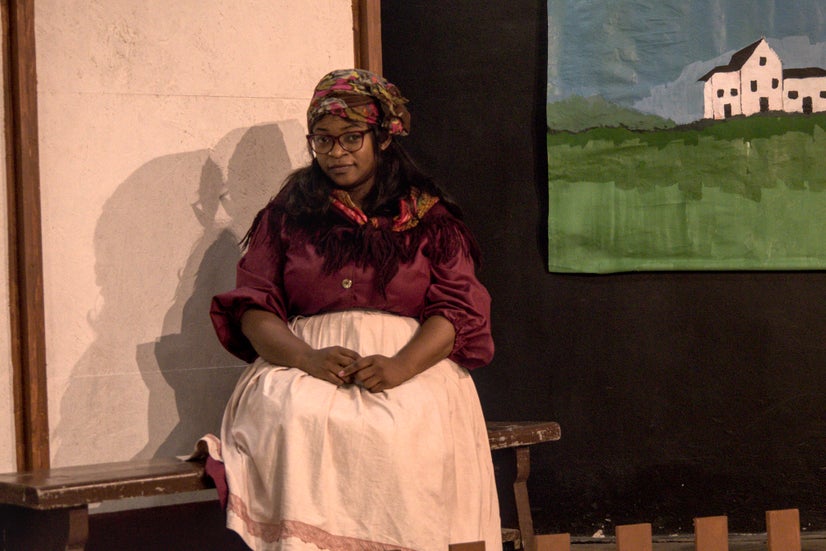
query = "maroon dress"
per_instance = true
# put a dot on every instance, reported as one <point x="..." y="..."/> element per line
<point x="284" y="275"/>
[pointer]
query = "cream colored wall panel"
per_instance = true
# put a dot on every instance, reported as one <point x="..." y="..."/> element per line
<point x="163" y="242"/>
<point x="122" y="231"/>
<point x="252" y="48"/>
<point x="139" y="415"/>
<point x="164" y="127"/>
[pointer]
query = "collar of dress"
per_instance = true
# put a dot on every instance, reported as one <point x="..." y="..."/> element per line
<point x="411" y="209"/>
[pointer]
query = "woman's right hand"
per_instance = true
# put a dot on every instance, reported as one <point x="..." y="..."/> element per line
<point x="325" y="363"/>
<point x="278" y="345"/>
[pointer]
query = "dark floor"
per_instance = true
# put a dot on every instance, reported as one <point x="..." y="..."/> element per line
<point x="200" y="526"/>
<point x="750" y="542"/>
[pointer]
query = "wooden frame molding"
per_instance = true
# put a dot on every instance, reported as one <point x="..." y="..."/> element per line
<point x="367" y="34"/>
<point x="28" y="339"/>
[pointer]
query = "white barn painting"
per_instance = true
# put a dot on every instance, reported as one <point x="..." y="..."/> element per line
<point x="754" y="81"/>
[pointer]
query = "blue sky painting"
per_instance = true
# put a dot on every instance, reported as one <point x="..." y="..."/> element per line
<point x="648" y="54"/>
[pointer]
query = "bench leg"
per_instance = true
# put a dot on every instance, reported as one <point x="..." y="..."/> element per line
<point x="78" y="528"/>
<point x="520" y="492"/>
<point x="57" y="530"/>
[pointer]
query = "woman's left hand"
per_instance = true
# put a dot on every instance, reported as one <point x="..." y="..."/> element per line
<point x="377" y="373"/>
<point x="431" y="343"/>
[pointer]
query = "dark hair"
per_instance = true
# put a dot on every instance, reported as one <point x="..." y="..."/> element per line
<point x="396" y="175"/>
<point x="305" y="196"/>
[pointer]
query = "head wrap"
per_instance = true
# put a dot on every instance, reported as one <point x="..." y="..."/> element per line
<point x="360" y="96"/>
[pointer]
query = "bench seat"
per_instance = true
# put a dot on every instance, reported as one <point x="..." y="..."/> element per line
<point x="68" y="487"/>
<point x="48" y="509"/>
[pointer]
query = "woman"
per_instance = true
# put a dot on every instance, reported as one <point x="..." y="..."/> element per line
<point x="357" y="426"/>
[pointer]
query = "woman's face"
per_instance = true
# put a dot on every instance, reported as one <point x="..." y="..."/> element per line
<point x="352" y="171"/>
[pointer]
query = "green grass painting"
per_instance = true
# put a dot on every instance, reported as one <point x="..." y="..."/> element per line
<point x="636" y="192"/>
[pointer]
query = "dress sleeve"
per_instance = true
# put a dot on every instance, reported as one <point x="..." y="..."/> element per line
<point x="456" y="294"/>
<point x="258" y="285"/>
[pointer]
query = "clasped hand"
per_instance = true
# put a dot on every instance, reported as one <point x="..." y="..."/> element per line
<point x="340" y="365"/>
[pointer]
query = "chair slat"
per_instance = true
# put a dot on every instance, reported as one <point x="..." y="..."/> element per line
<point x="634" y="537"/>
<point x="783" y="530"/>
<point x="553" y="542"/>
<point x="711" y="533"/>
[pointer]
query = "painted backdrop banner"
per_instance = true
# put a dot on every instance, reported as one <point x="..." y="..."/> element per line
<point x="686" y="135"/>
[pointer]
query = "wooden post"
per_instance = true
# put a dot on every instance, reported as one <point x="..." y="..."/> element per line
<point x="553" y="542"/>
<point x="711" y="533"/>
<point x="25" y="244"/>
<point x="634" y="537"/>
<point x="367" y="34"/>
<point x="783" y="530"/>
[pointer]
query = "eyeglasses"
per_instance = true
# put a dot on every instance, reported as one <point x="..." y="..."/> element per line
<point x="349" y="141"/>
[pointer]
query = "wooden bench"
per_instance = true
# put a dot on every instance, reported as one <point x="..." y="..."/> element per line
<point x="520" y="436"/>
<point x="49" y="509"/>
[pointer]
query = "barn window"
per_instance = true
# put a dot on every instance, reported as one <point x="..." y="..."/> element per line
<point x="734" y="91"/>
<point x="792" y="94"/>
<point x="753" y="85"/>
<point x="775" y="83"/>
<point x="720" y="93"/>
<point x="823" y="93"/>
<point x="762" y="61"/>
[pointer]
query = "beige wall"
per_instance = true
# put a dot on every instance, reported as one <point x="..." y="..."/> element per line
<point x="8" y="461"/>
<point x="164" y="126"/>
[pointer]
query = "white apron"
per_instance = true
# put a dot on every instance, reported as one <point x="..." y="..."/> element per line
<point x="314" y="466"/>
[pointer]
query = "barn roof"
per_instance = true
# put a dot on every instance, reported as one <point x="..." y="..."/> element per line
<point x="738" y="59"/>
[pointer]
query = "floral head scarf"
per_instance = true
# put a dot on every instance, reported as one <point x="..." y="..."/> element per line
<point x="360" y="96"/>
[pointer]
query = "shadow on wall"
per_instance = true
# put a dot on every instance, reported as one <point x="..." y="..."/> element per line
<point x="165" y="243"/>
